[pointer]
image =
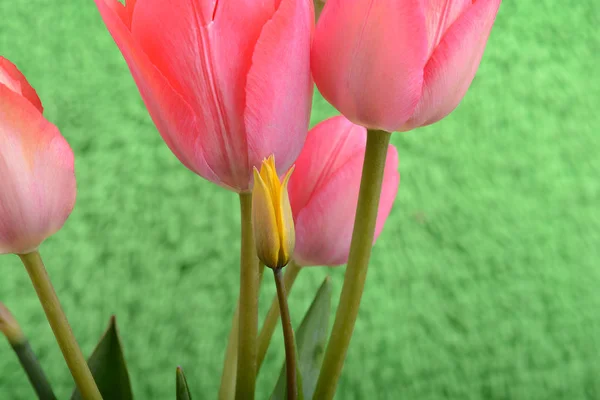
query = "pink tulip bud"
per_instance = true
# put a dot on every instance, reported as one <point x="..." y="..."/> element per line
<point x="324" y="187"/>
<point x="399" y="64"/>
<point x="226" y="82"/>
<point x="36" y="167"/>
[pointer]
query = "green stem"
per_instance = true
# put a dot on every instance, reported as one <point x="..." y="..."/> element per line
<point x="60" y="326"/>
<point x="358" y="261"/>
<point x="248" y="304"/>
<point x="34" y="371"/>
<point x="288" y="337"/>
<point x="31" y="365"/>
<point x="227" y="389"/>
<point x="270" y="322"/>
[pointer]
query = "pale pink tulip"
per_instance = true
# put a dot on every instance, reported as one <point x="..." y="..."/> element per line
<point x="36" y="167"/>
<point x="323" y="191"/>
<point x="227" y="83"/>
<point x="396" y="65"/>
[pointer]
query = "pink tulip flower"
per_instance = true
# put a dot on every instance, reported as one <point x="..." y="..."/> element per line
<point x="226" y="82"/>
<point x="36" y="167"/>
<point x="396" y="65"/>
<point x="323" y="191"/>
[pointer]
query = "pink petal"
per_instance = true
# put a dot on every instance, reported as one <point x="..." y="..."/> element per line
<point x="280" y="88"/>
<point x="324" y="191"/>
<point x="124" y="11"/>
<point x="37" y="175"/>
<point x="16" y="81"/>
<point x="453" y="65"/>
<point x="173" y="117"/>
<point x="440" y="15"/>
<point x="368" y="58"/>
<point x="329" y="145"/>
<point x="207" y="60"/>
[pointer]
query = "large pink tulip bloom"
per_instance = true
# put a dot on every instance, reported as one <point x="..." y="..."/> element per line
<point x="396" y="65"/>
<point x="36" y="167"/>
<point x="324" y="187"/>
<point x="227" y="83"/>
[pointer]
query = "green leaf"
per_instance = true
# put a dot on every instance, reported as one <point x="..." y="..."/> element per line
<point x="311" y="339"/>
<point x="183" y="391"/>
<point x="108" y="367"/>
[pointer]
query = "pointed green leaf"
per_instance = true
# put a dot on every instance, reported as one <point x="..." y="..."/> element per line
<point x="183" y="391"/>
<point x="311" y="338"/>
<point x="108" y="367"/>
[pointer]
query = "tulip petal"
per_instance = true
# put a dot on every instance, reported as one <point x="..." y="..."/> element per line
<point x="279" y="86"/>
<point x="368" y="58"/>
<point x="454" y="62"/>
<point x="172" y="115"/>
<point x="440" y="15"/>
<point x="287" y="232"/>
<point x="264" y="222"/>
<point x="124" y="11"/>
<point x="16" y="81"/>
<point x="207" y="61"/>
<point x="324" y="226"/>
<point x="329" y="145"/>
<point x="324" y="191"/>
<point x="37" y="175"/>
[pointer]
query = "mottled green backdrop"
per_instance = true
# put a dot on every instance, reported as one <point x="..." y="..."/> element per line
<point x="485" y="283"/>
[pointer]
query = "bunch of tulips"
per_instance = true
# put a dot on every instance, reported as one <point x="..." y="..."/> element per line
<point x="229" y="86"/>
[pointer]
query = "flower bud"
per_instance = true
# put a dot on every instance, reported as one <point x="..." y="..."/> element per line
<point x="37" y="175"/>
<point x="272" y="219"/>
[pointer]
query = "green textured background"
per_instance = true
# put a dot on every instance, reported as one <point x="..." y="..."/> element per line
<point x="485" y="283"/>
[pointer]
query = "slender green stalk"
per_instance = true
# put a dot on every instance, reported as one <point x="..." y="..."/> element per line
<point x="358" y="261"/>
<point x="288" y="337"/>
<point x="34" y="371"/>
<point x="60" y="326"/>
<point x="248" y="305"/>
<point x="227" y="389"/>
<point x="270" y="322"/>
<point x="31" y="365"/>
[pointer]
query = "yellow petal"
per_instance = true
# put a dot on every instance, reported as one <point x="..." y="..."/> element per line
<point x="264" y="222"/>
<point x="287" y="233"/>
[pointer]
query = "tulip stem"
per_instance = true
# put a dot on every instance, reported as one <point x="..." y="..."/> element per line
<point x="60" y="326"/>
<point x="33" y="369"/>
<point x="30" y="363"/>
<point x="270" y="322"/>
<point x="288" y="337"/>
<point x="227" y="389"/>
<point x="358" y="261"/>
<point x="248" y="305"/>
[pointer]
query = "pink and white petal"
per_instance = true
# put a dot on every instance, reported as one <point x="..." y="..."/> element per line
<point x="329" y="145"/>
<point x="204" y="49"/>
<point x="324" y="226"/>
<point x="173" y="117"/>
<point x="279" y="88"/>
<point x="16" y="81"/>
<point x="440" y="15"/>
<point x="368" y="58"/>
<point x="37" y="174"/>
<point x="454" y="62"/>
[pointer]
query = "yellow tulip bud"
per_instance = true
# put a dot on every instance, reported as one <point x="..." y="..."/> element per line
<point x="272" y="216"/>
